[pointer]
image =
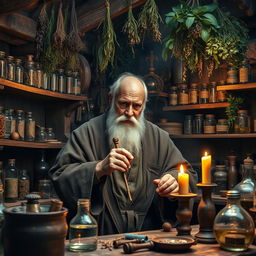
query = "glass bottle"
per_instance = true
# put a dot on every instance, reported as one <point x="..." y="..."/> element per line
<point x="7" y="124"/>
<point x="29" y="72"/>
<point x="20" y="123"/>
<point x="76" y="89"/>
<point x="11" y="181"/>
<point x="173" y="96"/>
<point x="69" y="82"/>
<point x="44" y="188"/>
<point x="39" y="76"/>
<point x="232" y="77"/>
<point x="50" y="134"/>
<point x="83" y="229"/>
<point x="198" y="124"/>
<point x="222" y="126"/>
<point x="212" y="92"/>
<point x="10" y="67"/>
<point x="19" y="71"/>
<point x="246" y="185"/>
<point x="54" y="82"/>
<point x="13" y="120"/>
<point x="204" y="94"/>
<point x="244" y="72"/>
<point x="242" y="122"/>
<point x="41" y="170"/>
<point x="2" y="123"/>
<point x="209" y="124"/>
<point x="188" y="124"/>
<point x="2" y="65"/>
<point x="233" y="226"/>
<point x="222" y="96"/>
<point x="193" y="94"/>
<point x="24" y="184"/>
<point x="232" y="171"/>
<point x="61" y="81"/>
<point x="183" y="94"/>
<point x="41" y="136"/>
<point x="220" y="178"/>
<point x="46" y="82"/>
<point x="29" y="127"/>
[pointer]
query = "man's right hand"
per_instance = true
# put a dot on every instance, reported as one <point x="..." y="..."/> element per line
<point x="118" y="159"/>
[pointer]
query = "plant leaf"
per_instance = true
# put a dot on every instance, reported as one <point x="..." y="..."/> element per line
<point x="211" y="19"/>
<point x="210" y="7"/>
<point x="205" y="34"/>
<point x="190" y="21"/>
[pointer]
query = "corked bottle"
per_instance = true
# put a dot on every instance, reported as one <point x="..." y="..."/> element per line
<point x="183" y="94"/>
<point x="173" y="96"/>
<point x="2" y="65"/>
<point x="204" y="94"/>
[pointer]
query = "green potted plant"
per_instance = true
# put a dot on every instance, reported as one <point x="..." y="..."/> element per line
<point x="204" y="34"/>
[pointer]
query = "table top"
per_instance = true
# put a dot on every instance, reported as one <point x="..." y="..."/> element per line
<point x="198" y="249"/>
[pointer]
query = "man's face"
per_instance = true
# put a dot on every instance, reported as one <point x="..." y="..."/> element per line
<point x="130" y="99"/>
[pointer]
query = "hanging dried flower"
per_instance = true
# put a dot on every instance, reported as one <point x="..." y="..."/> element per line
<point x="149" y="20"/>
<point x="106" y="52"/>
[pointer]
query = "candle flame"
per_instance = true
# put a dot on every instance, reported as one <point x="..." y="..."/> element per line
<point x="205" y="153"/>
<point x="181" y="169"/>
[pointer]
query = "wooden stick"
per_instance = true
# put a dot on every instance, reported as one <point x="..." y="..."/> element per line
<point x="116" y="143"/>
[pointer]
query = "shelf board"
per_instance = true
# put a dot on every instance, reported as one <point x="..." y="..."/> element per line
<point x="246" y="86"/>
<point x="197" y="106"/>
<point x="29" y="89"/>
<point x="214" y="136"/>
<point x="26" y="144"/>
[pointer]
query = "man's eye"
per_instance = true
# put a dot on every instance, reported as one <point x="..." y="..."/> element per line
<point x="122" y="104"/>
<point x="137" y="106"/>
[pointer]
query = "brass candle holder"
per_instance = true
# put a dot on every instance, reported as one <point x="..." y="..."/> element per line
<point x="183" y="213"/>
<point x="206" y="213"/>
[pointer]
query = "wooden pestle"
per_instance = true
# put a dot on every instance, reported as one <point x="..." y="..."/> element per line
<point x="116" y="143"/>
<point x="118" y="243"/>
<point x="131" y="247"/>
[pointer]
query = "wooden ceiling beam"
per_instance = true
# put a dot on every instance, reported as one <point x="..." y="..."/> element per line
<point x="91" y="14"/>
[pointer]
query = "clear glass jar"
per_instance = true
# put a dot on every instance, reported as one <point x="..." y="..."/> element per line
<point x="46" y="82"/>
<point x="222" y="126"/>
<point x="42" y="135"/>
<point x="54" y="82"/>
<point x="19" y="71"/>
<point x="204" y="94"/>
<point x="61" y="81"/>
<point x="198" y="124"/>
<point x="2" y="65"/>
<point x="24" y="184"/>
<point x="76" y="89"/>
<point x="29" y="127"/>
<point x="232" y="76"/>
<point x="173" y="96"/>
<point x="183" y="94"/>
<point x="233" y="226"/>
<point x="212" y="92"/>
<point x="83" y="229"/>
<point x="247" y="185"/>
<point x="30" y="73"/>
<point x="242" y="122"/>
<point x="13" y="120"/>
<point x="222" y="96"/>
<point x="44" y="188"/>
<point x="10" y="68"/>
<point x="39" y="76"/>
<point x="193" y="94"/>
<point x="69" y="82"/>
<point x="244" y="72"/>
<point x="20" y="123"/>
<point x="188" y="124"/>
<point x="50" y="134"/>
<point x="7" y="124"/>
<point x="209" y="124"/>
<point x="220" y="178"/>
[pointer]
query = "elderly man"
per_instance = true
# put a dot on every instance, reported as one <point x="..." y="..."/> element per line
<point x="90" y="166"/>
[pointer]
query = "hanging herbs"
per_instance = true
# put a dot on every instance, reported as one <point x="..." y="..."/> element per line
<point x="131" y="29"/>
<point x="42" y="27"/>
<point x="149" y="20"/>
<point x="106" y="52"/>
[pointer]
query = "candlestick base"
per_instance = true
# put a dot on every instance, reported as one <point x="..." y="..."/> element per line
<point x="183" y="213"/>
<point x="206" y="213"/>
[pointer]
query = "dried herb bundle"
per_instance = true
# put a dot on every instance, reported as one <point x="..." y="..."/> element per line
<point x="131" y="29"/>
<point x="42" y="27"/>
<point x="106" y="52"/>
<point x="149" y="20"/>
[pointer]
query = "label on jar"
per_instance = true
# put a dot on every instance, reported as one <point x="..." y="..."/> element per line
<point x="243" y="75"/>
<point x="220" y="128"/>
<point x="11" y="187"/>
<point x="183" y="98"/>
<point x="193" y="97"/>
<point x="173" y="99"/>
<point x="209" y="128"/>
<point x="23" y="188"/>
<point x="221" y="96"/>
<point x="21" y="128"/>
<point x="10" y="72"/>
<point x="204" y="94"/>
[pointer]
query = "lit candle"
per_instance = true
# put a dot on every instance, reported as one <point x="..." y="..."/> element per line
<point x="183" y="180"/>
<point x="206" y="168"/>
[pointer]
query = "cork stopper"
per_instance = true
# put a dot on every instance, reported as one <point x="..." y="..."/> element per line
<point x="248" y="160"/>
<point x="85" y="203"/>
<point x="233" y="194"/>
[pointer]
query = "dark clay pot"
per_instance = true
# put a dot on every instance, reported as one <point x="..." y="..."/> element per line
<point x="34" y="234"/>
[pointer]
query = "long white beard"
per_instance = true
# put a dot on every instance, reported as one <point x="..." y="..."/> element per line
<point x="129" y="135"/>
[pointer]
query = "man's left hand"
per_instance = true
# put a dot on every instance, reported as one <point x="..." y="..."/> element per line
<point x="166" y="185"/>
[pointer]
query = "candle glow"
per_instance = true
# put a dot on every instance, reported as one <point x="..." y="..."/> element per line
<point x="183" y="181"/>
<point x="206" y="161"/>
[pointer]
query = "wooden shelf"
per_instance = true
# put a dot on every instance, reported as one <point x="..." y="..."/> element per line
<point x="214" y="136"/>
<point x="6" y="84"/>
<point x="26" y="144"/>
<point x="246" y="86"/>
<point x="197" y="106"/>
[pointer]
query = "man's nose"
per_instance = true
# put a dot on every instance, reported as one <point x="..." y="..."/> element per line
<point x="129" y="111"/>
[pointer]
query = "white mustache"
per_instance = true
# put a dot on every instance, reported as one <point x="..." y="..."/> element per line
<point x="125" y="118"/>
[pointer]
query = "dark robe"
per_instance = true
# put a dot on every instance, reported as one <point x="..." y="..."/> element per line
<point x="73" y="176"/>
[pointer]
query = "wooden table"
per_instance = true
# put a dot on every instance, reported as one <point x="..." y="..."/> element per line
<point x="196" y="250"/>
